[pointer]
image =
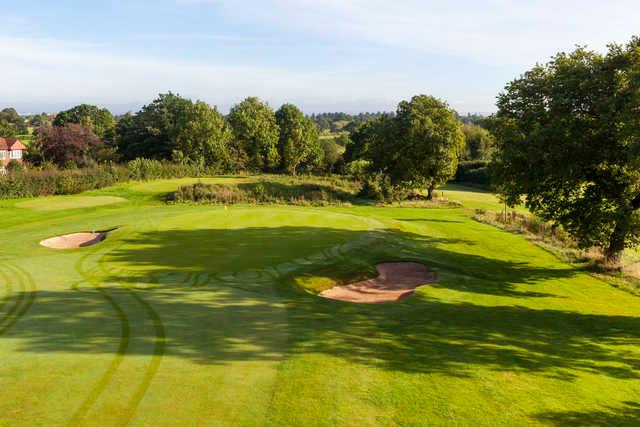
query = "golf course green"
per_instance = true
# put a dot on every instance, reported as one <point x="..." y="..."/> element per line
<point x="209" y="315"/>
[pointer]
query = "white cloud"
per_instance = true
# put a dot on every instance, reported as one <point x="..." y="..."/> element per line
<point x="503" y="32"/>
<point x="43" y="70"/>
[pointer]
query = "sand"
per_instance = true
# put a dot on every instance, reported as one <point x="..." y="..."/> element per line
<point x="75" y="240"/>
<point x="396" y="281"/>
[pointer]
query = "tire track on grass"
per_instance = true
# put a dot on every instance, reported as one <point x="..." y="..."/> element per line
<point x="159" y="344"/>
<point x="123" y="345"/>
<point x="26" y="297"/>
<point x="8" y="289"/>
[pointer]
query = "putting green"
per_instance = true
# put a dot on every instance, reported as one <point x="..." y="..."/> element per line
<point x="197" y="315"/>
<point x="69" y="202"/>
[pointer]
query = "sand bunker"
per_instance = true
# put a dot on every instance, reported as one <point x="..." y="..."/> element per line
<point x="396" y="280"/>
<point x="75" y="240"/>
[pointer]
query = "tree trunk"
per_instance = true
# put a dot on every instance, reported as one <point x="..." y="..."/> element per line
<point x="616" y="246"/>
<point x="432" y="187"/>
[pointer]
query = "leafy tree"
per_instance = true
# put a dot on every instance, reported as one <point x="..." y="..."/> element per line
<point x="42" y="119"/>
<point x="99" y="120"/>
<point x="71" y="144"/>
<point x="7" y="130"/>
<point x="298" y="138"/>
<point x="152" y="132"/>
<point x="416" y="148"/>
<point x="427" y="142"/>
<point x="256" y="131"/>
<point x="206" y="138"/>
<point x="479" y="143"/>
<point x="332" y="155"/>
<point x="10" y="115"/>
<point x="568" y="140"/>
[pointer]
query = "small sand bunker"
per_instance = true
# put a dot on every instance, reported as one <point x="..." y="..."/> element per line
<point x="75" y="240"/>
<point x="396" y="280"/>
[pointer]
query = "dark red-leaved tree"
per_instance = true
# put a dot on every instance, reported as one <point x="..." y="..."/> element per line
<point x="71" y="144"/>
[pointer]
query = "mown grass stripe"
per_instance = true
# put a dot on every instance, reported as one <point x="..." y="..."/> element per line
<point x="30" y="297"/>
<point x="125" y="333"/>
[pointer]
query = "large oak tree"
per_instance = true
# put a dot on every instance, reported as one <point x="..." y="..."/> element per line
<point x="568" y="142"/>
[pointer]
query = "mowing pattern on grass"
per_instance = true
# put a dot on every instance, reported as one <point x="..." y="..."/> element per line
<point x="203" y="316"/>
<point x="19" y="297"/>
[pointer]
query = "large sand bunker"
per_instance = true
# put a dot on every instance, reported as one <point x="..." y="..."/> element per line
<point x="396" y="280"/>
<point x="75" y="240"/>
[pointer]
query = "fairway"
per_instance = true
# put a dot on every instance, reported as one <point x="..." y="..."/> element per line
<point x="209" y="315"/>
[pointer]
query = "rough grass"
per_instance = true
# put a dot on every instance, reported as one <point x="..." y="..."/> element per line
<point x="197" y="315"/>
<point x="69" y="202"/>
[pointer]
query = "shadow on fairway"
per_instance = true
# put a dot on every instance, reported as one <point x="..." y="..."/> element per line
<point x="627" y="416"/>
<point x="262" y="317"/>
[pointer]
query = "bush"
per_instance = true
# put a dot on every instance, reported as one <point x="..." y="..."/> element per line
<point x="474" y="172"/>
<point x="15" y="166"/>
<point x="34" y="183"/>
<point x="296" y="192"/>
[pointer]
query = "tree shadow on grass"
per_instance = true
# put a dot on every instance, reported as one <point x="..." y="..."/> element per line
<point x="214" y="316"/>
<point x="629" y="415"/>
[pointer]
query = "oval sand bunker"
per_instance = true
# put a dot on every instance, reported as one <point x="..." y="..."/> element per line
<point x="75" y="240"/>
<point x="396" y="280"/>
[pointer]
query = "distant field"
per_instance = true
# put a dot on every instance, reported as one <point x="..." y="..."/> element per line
<point x="206" y="315"/>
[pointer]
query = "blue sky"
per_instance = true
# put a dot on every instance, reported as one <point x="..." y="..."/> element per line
<point x="331" y="55"/>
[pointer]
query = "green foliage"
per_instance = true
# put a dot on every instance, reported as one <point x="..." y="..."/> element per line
<point x="7" y="130"/>
<point x="15" y="166"/>
<point x="11" y="116"/>
<point x="568" y="139"/>
<point x="206" y="138"/>
<point x="416" y="148"/>
<point x="34" y="183"/>
<point x="474" y="172"/>
<point x="332" y="155"/>
<point x="99" y="120"/>
<point x="296" y="191"/>
<point x="153" y="131"/>
<point x="256" y="133"/>
<point x="479" y="143"/>
<point x="298" y="143"/>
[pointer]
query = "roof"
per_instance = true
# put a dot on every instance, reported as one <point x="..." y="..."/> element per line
<point x="11" y="144"/>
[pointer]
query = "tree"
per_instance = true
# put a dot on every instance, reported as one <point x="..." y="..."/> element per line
<point x="428" y="141"/>
<point x="479" y="143"/>
<point x="71" y="144"/>
<point x="568" y="140"/>
<point x="99" y="120"/>
<point x="417" y="148"/>
<point x="332" y="154"/>
<point x="298" y="138"/>
<point x="152" y="132"/>
<point x="7" y="130"/>
<point x="256" y="132"/>
<point x="10" y="115"/>
<point x="206" y="138"/>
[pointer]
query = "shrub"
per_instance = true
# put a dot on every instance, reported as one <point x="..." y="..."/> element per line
<point x="297" y="192"/>
<point x="474" y="172"/>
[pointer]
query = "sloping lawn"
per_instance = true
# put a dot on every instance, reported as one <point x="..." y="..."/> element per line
<point x="199" y="315"/>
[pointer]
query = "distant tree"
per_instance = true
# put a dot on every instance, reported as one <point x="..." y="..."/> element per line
<point x="71" y="144"/>
<point x="298" y="138"/>
<point x="343" y="140"/>
<point x="99" y="120"/>
<point x="479" y="143"/>
<point x="38" y="120"/>
<point x="427" y="141"/>
<point x="332" y="155"/>
<point x="206" y="138"/>
<point x="568" y="140"/>
<point x="10" y="115"/>
<point x="152" y="132"/>
<point x="417" y="148"/>
<point x="256" y="131"/>
<point x="7" y="130"/>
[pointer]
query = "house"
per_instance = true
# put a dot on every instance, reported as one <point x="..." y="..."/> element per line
<point x="10" y="149"/>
